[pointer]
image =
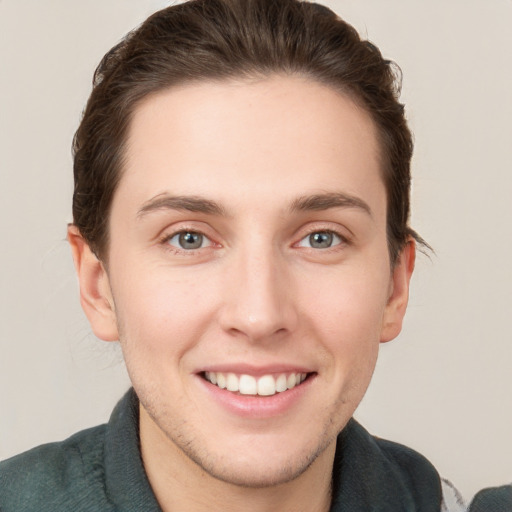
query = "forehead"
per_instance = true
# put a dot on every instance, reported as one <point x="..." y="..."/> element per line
<point x="274" y="139"/>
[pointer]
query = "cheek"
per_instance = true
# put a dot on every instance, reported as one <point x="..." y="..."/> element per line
<point x="161" y="315"/>
<point x="347" y="301"/>
<point x="352" y="322"/>
<point x="347" y="315"/>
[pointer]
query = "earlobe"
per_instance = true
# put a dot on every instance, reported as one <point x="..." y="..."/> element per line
<point x="95" y="294"/>
<point x="399" y="293"/>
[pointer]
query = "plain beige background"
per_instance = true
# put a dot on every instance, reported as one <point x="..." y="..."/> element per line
<point x="444" y="387"/>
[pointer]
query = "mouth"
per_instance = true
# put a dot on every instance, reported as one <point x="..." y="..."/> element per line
<point x="264" y="385"/>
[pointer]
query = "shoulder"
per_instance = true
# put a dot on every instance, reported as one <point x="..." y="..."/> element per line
<point x="375" y="472"/>
<point x="413" y="467"/>
<point x="407" y="464"/>
<point x="421" y="475"/>
<point x="493" y="499"/>
<point x="56" y="476"/>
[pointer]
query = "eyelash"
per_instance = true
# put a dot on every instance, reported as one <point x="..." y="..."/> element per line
<point x="165" y="241"/>
<point x="342" y="241"/>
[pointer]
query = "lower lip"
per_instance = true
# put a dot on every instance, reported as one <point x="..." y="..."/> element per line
<point x="254" y="406"/>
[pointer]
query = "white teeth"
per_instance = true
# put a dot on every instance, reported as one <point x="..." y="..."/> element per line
<point x="266" y="385"/>
<point x="232" y="382"/>
<point x="248" y="385"/>
<point x="221" y="380"/>
<point x="281" y="383"/>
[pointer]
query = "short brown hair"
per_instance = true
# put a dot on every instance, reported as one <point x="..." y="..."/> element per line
<point x="222" y="39"/>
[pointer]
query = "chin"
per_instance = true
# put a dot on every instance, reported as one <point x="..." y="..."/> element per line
<point x="249" y="479"/>
<point x="257" y="467"/>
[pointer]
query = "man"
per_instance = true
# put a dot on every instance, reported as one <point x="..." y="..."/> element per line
<point x="241" y="212"/>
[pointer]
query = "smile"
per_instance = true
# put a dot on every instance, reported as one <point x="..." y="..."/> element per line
<point x="266" y="385"/>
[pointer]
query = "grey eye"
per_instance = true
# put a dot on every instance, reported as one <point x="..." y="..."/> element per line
<point x="189" y="240"/>
<point x="320" y="240"/>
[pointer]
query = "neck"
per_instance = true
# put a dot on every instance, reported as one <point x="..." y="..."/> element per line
<point x="180" y="484"/>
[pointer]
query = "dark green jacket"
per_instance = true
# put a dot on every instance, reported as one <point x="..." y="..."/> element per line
<point x="100" y="470"/>
<point x="494" y="499"/>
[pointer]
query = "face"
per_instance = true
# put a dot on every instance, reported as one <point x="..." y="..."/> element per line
<point x="248" y="274"/>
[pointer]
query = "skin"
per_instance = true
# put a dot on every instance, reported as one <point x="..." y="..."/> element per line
<point x="255" y="156"/>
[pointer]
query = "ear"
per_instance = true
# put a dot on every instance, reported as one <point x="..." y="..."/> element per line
<point x="95" y="294"/>
<point x="399" y="293"/>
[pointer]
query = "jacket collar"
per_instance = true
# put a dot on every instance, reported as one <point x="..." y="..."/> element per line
<point x="368" y="474"/>
<point x="126" y="481"/>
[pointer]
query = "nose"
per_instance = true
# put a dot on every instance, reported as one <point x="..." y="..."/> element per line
<point x="258" y="304"/>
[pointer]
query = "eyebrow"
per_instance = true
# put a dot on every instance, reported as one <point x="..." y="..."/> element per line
<point x="319" y="202"/>
<point x="186" y="203"/>
<point x="197" y="204"/>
